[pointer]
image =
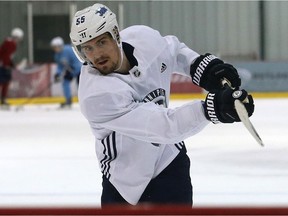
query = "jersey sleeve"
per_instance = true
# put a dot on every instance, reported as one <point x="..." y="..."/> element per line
<point x="184" y="56"/>
<point x="143" y="121"/>
<point x="7" y="50"/>
<point x="75" y="64"/>
<point x="59" y="67"/>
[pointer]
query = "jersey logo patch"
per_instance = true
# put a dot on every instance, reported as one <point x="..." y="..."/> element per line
<point x="137" y="73"/>
<point x="158" y="96"/>
<point x="163" y="67"/>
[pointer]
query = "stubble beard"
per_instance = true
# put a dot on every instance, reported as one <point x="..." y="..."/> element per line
<point x="108" y="69"/>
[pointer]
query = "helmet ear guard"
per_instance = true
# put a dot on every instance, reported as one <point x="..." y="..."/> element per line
<point x="79" y="54"/>
<point x="90" y="23"/>
<point x="116" y="34"/>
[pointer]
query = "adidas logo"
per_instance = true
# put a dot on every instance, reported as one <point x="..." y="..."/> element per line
<point x="163" y="67"/>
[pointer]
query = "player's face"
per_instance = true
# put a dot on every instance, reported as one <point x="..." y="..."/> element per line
<point x="17" y="40"/>
<point x="57" y="49"/>
<point x="103" y="52"/>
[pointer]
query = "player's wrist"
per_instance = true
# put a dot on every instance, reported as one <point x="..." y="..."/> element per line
<point x="200" y="68"/>
<point x="207" y="71"/>
<point x="210" y="108"/>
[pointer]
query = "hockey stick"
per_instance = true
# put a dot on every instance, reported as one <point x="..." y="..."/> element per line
<point x="243" y="115"/>
<point x="29" y="99"/>
<point x="22" y="64"/>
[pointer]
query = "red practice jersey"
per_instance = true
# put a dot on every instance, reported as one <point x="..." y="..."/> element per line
<point x="7" y="49"/>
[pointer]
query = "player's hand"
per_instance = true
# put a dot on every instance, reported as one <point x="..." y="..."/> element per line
<point x="219" y="105"/>
<point x="57" y="78"/>
<point x="68" y="76"/>
<point x="207" y="72"/>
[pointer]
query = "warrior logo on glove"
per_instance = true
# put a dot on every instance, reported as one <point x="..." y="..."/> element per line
<point x="219" y="105"/>
<point x="201" y="68"/>
<point x="207" y="71"/>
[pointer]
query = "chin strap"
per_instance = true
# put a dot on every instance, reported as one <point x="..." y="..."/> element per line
<point x="122" y="57"/>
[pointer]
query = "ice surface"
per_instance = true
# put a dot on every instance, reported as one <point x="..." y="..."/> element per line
<point x="47" y="158"/>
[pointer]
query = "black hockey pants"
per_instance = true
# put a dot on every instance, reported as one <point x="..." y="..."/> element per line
<point x="171" y="186"/>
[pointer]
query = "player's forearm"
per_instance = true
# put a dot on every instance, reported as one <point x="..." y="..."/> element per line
<point x="178" y="124"/>
<point x="59" y="69"/>
<point x="151" y="123"/>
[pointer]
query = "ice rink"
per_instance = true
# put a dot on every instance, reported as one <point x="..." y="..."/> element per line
<point x="47" y="158"/>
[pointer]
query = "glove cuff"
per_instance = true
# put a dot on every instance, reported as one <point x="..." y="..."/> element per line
<point x="199" y="69"/>
<point x="210" y="108"/>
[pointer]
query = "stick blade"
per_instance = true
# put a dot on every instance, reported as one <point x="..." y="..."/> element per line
<point x="243" y="115"/>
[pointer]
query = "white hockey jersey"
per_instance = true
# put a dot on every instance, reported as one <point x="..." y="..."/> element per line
<point x="135" y="137"/>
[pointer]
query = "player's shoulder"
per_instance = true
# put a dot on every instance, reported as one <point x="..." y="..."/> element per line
<point x="68" y="48"/>
<point x="139" y="28"/>
<point x="139" y="31"/>
<point x="9" y="41"/>
<point x="147" y="41"/>
<point x="101" y="94"/>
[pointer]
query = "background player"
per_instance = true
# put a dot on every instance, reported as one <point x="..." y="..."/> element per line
<point x="124" y="94"/>
<point x="68" y="66"/>
<point x="7" y="50"/>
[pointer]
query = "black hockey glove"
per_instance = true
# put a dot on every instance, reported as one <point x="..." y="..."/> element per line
<point x="219" y="105"/>
<point x="68" y="76"/>
<point x="57" y="78"/>
<point x="207" y="72"/>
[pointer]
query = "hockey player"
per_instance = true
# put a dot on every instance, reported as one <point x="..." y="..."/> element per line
<point x="7" y="50"/>
<point x="124" y="94"/>
<point x="68" y="67"/>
